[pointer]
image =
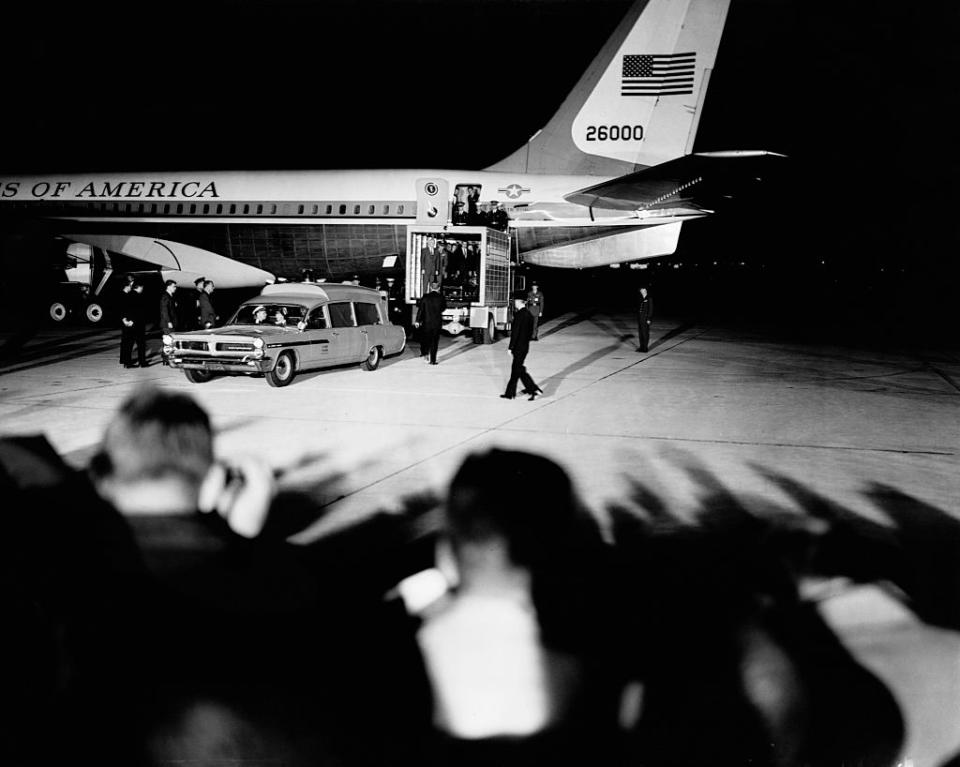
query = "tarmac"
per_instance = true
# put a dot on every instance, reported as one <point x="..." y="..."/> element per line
<point x="707" y="409"/>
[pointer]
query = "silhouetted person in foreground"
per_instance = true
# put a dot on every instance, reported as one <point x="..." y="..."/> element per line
<point x="517" y="651"/>
<point x="178" y="629"/>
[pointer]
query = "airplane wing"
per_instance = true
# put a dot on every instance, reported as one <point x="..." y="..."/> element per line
<point x="697" y="182"/>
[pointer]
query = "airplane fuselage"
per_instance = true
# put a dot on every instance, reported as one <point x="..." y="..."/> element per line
<point x="336" y="222"/>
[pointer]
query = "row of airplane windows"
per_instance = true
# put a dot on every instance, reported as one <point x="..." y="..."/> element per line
<point x="244" y="209"/>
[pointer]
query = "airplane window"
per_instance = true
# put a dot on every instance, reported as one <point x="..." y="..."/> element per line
<point x="273" y="208"/>
<point x="356" y="210"/>
<point x="316" y="209"/>
<point x="399" y="210"/>
<point x="206" y="208"/>
<point x="179" y="207"/>
<point x="166" y="208"/>
<point x="343" y="209"/>
<point x="329" y="209"/>
<point x="246" y="208"/>
<point x="300" y="210"/>
<point x="193" y="207"/>
<point x="371" y="210"/>
<point x="259" y="209"/>
<point x="386" y="210"/>
<point x="153" y="207"/>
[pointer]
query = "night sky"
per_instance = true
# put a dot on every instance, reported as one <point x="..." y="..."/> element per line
<point x="860" y="95"/>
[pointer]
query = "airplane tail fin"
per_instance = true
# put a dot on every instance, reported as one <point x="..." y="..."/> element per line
<point x="639" y="102"/>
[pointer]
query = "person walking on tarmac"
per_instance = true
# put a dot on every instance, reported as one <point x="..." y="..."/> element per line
<point x="521" y="332"/>
<point x="644" y="316"/>
<point x="535" y="305"/>
<point x="429" y="320"/>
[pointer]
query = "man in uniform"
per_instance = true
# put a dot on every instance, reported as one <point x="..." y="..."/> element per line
<point x="520" y="333"/>
<point x="168" y="308"/>
<point x="498" y="216"/>
<point x="208" y="315"/>
<point x="644" y="316"/>
<point x="429" y="320"/>
<point x="535" y="305"/>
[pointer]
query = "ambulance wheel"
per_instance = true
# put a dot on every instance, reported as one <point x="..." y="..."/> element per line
<point x="372" y="362"/>
<point x="198" y="376"/>
<point x="93" y="313"/>
<point x="284" y="371"/>
<point x="58" y="311"/>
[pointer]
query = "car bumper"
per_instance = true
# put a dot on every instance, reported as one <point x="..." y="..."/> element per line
<point x="251" y="365"/>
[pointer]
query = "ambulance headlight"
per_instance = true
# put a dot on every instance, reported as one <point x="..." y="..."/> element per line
<point x="257" y="343"/>
<point x="167" y="340"/>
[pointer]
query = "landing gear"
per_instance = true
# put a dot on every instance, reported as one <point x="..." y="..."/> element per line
<point x="58" y="311"/>
<point x="93" y="312"/>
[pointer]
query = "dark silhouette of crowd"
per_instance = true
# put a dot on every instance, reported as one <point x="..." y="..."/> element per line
<point x="158" y="613"/>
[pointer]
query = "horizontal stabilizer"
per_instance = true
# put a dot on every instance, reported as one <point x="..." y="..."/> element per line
<point x="696" y="181"/>
<point x="633" y="245"/>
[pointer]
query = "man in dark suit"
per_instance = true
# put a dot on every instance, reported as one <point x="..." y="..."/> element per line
<point x="521" y="332"/>
<point x="127" y="312"/>
<point x="430" y="320"/>
<point x="644" y="316"/>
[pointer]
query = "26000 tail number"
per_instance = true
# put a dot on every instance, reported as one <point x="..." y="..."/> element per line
<point x="614" y="132"/>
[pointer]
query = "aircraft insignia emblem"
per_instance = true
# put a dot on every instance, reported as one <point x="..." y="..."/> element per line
<point x="513" y="191"/>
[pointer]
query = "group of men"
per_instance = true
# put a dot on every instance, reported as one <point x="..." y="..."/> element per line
<point x="451" y="263"/>
<point x="196" y="313"/>
<point x="467" y="210"/>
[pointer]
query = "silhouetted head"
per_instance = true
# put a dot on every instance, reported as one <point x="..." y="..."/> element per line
<point x="527" y="505"/>
<point x="155" y="452"/>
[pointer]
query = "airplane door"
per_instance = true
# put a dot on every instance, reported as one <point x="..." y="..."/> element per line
<point x="433" y="201"/>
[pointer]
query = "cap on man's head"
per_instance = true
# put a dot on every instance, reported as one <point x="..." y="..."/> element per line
<point x="494" y="202"/>
<point x="259" y="309"/>
<point x="433" y="286"/>
<point x="199" y="280"/>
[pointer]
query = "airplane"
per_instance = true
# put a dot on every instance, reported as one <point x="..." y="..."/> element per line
<point x="610" y="179"/>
